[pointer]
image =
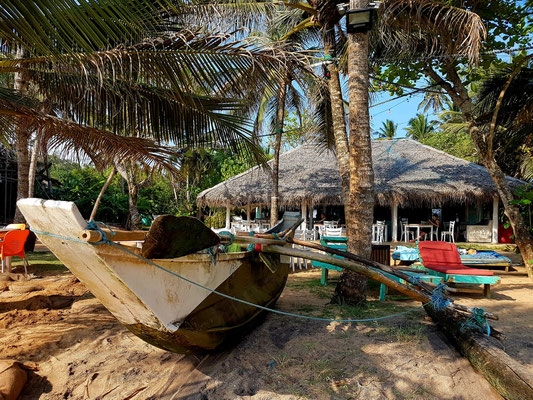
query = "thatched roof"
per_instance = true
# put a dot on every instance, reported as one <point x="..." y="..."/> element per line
<point x="405" y="170"/>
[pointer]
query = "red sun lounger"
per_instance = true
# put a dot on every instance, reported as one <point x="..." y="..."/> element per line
<point x="443" y="258"/>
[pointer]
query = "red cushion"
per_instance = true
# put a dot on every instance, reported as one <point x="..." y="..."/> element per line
<point x="459" y="270"/>
<point x="443" y="257"/>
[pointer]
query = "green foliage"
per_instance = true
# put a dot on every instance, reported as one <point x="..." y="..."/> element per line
<point x="177" y="195"/>
<point x="523" y="197"/>
<point x="458" y="144"/>
<point x="388" y="130"/>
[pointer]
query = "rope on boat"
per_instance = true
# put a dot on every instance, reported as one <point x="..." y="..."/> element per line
<point x="439" y="302"/>
<point x="477" y="322"/>
<point x="93" y="226"/>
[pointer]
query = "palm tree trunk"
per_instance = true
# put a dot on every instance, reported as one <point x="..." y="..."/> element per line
<point x="21" y="135"/>
<point x="33" y="163"/>
<point x="352" y="287"/>
<point x="280" y="118"/>
<point x="337" y="113"/>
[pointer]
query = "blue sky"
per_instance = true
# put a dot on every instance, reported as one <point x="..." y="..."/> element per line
<point x="401" y="111"/>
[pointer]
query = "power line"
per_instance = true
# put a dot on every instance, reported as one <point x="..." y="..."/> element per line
<point x="450" y="56"/>
<point x="407" y="86"/>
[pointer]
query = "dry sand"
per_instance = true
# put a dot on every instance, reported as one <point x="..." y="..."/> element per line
<point x="79" y="351"/>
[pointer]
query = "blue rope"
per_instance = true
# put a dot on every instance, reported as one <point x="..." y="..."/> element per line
<point x="477" y="322"/>
<point x="230" y="235"/>
<point x="105" y="240"/>
<point x="415" y="280"/>
<point x="438" y="301"/>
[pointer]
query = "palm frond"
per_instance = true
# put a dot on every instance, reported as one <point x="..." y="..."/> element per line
<point x="227" y="14"/>
<point x="51" y="28"/>
<point x="68" y="135"/>
<point x="430" y="27"/>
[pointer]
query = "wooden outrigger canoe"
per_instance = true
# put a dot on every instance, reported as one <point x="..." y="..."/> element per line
<point x="161" y="309"/>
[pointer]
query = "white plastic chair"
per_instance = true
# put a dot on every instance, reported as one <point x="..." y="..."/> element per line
<point x="406" y="234"/>
<point x="378" y="232"/>
<point x="330" y="225"/>
<point x="298" y="234"/>
<point x="449" y="232"/>
<point x="310" y="234"/>
<point x="335" y="232"/>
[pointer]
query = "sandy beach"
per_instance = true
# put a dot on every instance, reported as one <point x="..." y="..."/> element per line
<point x="75" y="349"/>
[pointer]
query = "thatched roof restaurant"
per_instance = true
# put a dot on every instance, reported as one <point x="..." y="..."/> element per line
<point x="407" y="173"/>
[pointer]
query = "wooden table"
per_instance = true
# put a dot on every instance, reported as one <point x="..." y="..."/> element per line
<point x="418" y="228"/>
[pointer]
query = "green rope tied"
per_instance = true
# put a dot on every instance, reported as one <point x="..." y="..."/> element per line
<point x="230" y="235"/>
<point x="477" y="322"/>
<point x="93" y="225"/>
<point x="438" y="301"/>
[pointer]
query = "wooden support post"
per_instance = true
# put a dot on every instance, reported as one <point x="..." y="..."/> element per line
<point x="310" y="206"/>
<point x="228" y="215"/>
<point x="248" y="211"/>
<point x="304" y="213"/>
<point x="495" y="206"/>
<point x="394" y="218"/>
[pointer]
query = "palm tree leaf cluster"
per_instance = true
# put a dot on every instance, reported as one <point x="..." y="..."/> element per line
<point x="55" y="28"/>
<point x="176" y="84"/>
<point x="432" y="28"/>
<point x="514" y="135"/>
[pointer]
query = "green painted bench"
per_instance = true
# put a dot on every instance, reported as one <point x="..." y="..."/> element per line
<point x="333" y="242"/>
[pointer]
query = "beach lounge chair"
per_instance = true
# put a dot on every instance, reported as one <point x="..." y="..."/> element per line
<point x="443" y="260"/>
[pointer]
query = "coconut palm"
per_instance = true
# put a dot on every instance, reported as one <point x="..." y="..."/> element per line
<point x="388" y="130"/>
<point x="430" y="27"/>
<point x="129" y="75"/>
<point x="272" y="104"/>
<point x="420" y="127"/>
<point x="434" y="100"/>
<point x="450" y="119"/>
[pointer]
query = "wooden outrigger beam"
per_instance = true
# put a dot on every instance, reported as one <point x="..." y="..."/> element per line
<point x="356" y="264"/>
<point x="93" y="236"/>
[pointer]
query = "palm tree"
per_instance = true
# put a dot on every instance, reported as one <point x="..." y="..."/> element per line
<point x="274" y="104"/>
<point x="450" y="119"/>
<point x="504" y="122"/>
<point x="403" y="25"/>
<point x="419" y="127"/>
<point x="388" y="130"/>
<point x="434" y="99"/>
<point x="128" y="76"/>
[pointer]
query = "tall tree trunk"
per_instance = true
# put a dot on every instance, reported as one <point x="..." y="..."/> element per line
<point x="280" y="118"/>
<point x="33" y="163"/>
<point x="337" y="113"/>
<point x="102" y="191"/>
<point x="460" y="97"/>
<point x="520" y="230"/>
<point x="22" y="135"/>
<point x="352" y="287"/>
<point x="128" y="171"/>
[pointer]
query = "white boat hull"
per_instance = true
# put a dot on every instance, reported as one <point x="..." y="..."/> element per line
<point x="154" y="304"/>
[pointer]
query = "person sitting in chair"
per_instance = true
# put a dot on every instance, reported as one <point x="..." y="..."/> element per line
<point x="433" y="221"/>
